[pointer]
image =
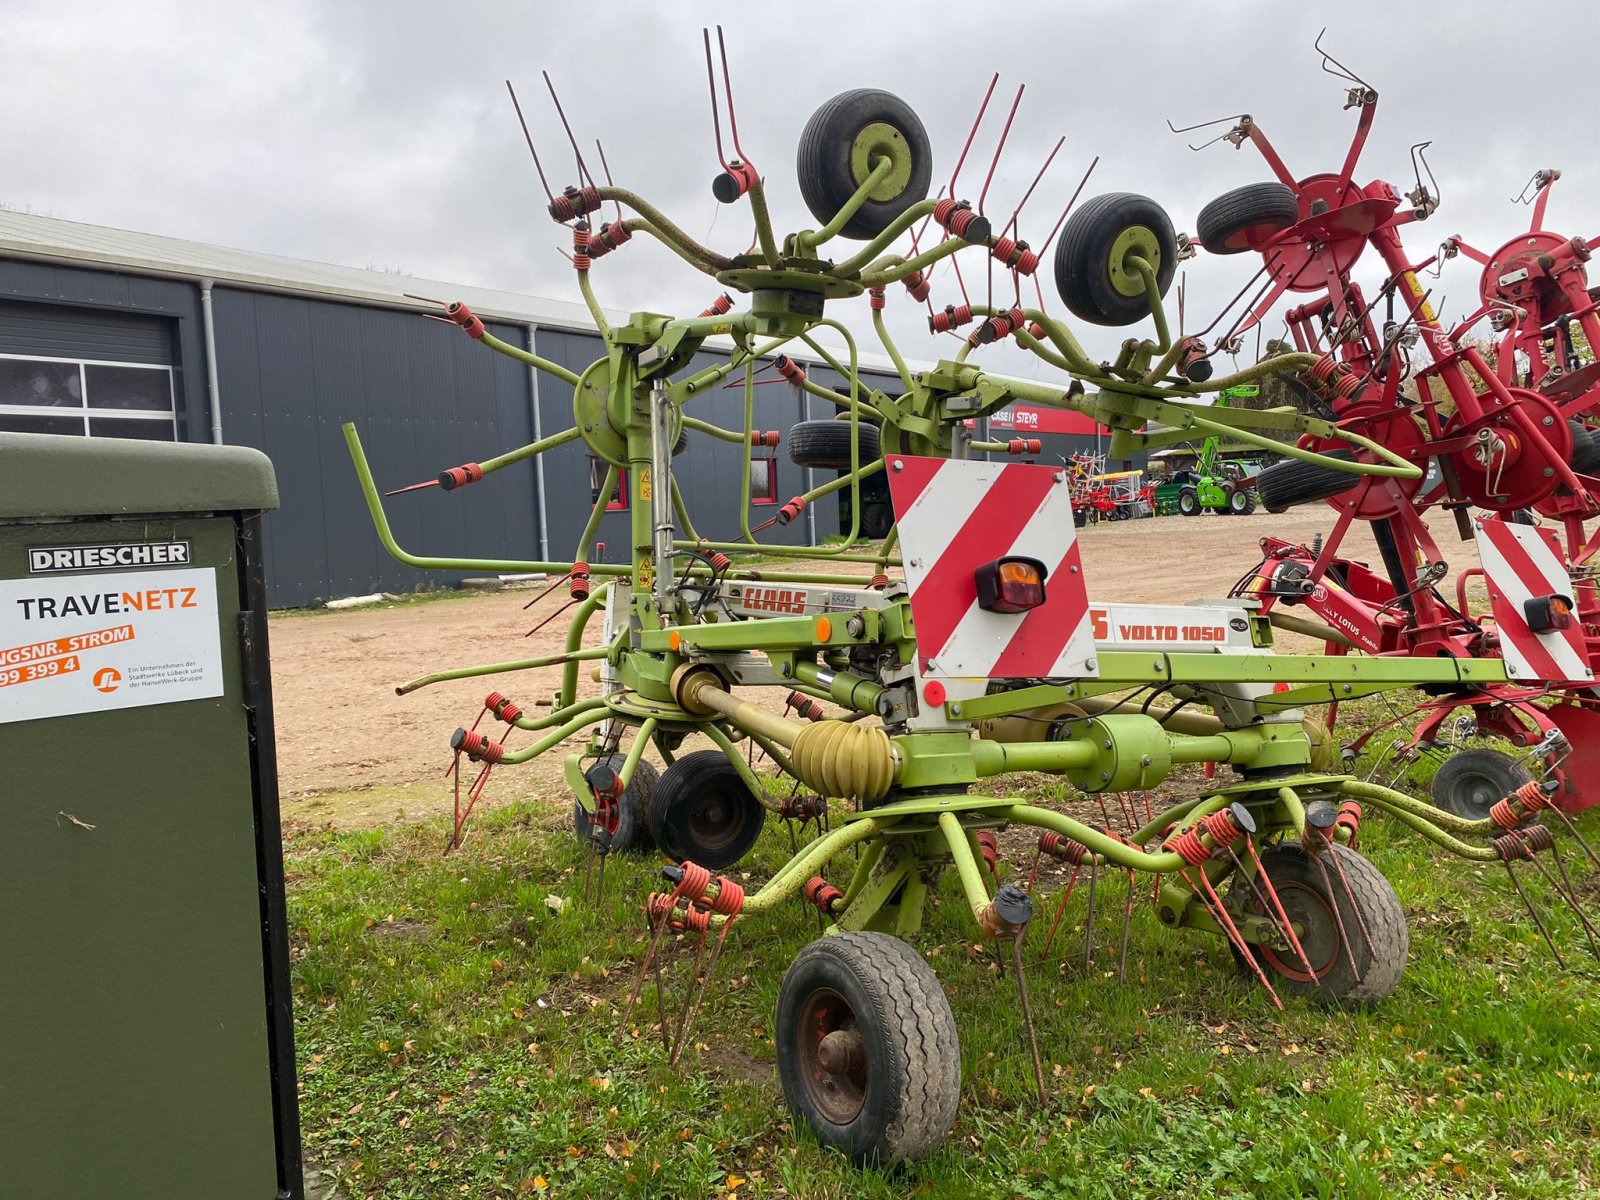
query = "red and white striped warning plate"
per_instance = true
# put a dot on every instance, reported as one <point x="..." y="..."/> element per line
<point x="1522" y="562"/>
<point x="953" y="518"/>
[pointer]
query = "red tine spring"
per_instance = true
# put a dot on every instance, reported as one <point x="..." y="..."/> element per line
<point x="575" y="202"/>
<point x="719" y="306"/>
<point x="1016" y="255"/>
<point x="464" y="317"/>
<point x="460" y="476"/>
<point x="953" y="317"/>
<point x="477" y="747"/>
<point x="1349" y="820"/>
<point x="767" y="439"/>
<point x="580" y="246"/>
<point x="790" y="370"/>
<point x="876" y="298"/>
<point x="791" y="510"/>
<point x="503" y="708"/>
<point x="729" y="900"/>
<point x="822" y="894"/>
<point x="696" y="879"/>
<point x="1036" y="331"/>
<point x="719" y="561"/>
<point x="1024" y="446"/>
<point x="997" y="328"/>
<point x="958" y="219"/>
<point x="611" y="237"/>
<point x="1188" y="846"/>
<point x="1511" y="811"/>
<point x="1058" y="845"/>
<point x="917" y="284"/>
<point x="804" y="706"/>
<point x="879" y="582"/>
<point x="578" y="588"/>
<point x="989" y="846"/>
<point x="1222" y="827"/>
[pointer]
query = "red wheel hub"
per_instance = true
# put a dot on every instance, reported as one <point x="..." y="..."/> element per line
<point x="1502" y="468"/>
<point x="1335" y="236"/>
<point x="1375" y="496"/>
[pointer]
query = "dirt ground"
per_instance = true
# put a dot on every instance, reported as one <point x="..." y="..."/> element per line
<point x="351" y="752"/>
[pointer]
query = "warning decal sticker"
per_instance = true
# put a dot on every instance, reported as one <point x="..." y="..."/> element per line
<point x="79" y="645"/>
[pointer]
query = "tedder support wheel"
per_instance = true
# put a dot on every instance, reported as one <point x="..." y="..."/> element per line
<point x="1092" y="273"/>
<point x="1285" y="485"/>
<point x="702" y="811"/>
<point x="826" y="444"/>
<point x="1470" y="781"/>
<point x="1246" y="218"/>
<point x="1344" y="888"/>
<point x="630" y="830"/>
<point x="867" y="1048"/>
<point x="839" y="146"/>
<point x="1189" y="502"/>
<point x="1585" y="449"/>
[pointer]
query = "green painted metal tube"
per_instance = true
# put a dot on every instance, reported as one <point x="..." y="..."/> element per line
<point x="580" y="619"/>
<point x="890" y="348"/>
<point x="596" y="313"/>
<point x="1424" y="825"/>
<point x="1270" y="366"/>
<point x="716" y="431"/>
<point x="532" y="360"/>
<point x="908" y="267"/>
<point x="525" y="664"/>
<point x="1129" y="857"/>
<point x="704" y="265"/>
<point x="591" y="528"/>
<point x="369" y="492"/>
<point x="811" y="238"/>
<point x="763" y="220"/>
<point x="1172" y="816"/>
<point x="999" y="758"/>
<point x="1296" y="809"/>
<point x="1206" y="748"/>
<point x="792" y="876"/>
<point x="1358" y="790"/>
<point x="844" y="688"/>
<point x="641" y="739"/>
<point x="860" y="260"/>
<point x="492" y="465"/>
<point x="553" y="739"/>
<point x="664" y="228"/>
<point x="966" y="865"/>
<point x="561" y="716"/>
<point x="1152" y="290"/>
<point x="682" y="509"/>
<point x="866" y="863"/>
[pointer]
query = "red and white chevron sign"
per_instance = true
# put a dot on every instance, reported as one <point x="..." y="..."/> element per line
<point x="953" y="518"/>
<point x="1522" y="563"/>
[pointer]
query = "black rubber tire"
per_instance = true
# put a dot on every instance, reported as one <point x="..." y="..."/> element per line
<point x="823" y="166"/>
<point x="702" y="811"/>
<point x="1585" y="449"/>
<point x="1290" y="483"/>
<point x="682" y="444"/>
<point x="632" y="834"/>
<point x="1470" y="781"/>
<point x="1241" y="503"/>
<point x="1083" y="257"/>
<point x="1080" y="517"/>
<point x="1370" y="904"/>
<point x="1234" y="219"/>
<point x="876" y="520"/>
<point x="1189" y="503"/>
<point x="826" y="444"/>
<point x="897" y="1099"/>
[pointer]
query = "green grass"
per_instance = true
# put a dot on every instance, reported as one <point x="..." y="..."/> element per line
<point x="459" y="1035"/>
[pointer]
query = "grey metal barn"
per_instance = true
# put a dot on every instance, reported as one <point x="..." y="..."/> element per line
<point x="105" y="332"/>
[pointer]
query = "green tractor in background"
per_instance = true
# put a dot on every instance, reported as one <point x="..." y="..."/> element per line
<point x="1219" y="485"/>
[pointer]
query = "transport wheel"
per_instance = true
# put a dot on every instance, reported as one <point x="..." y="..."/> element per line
<point x="826" y="444"/>
<point x="839" y="146"/>
<point x="1246" y="218"/>
<point x="1189" y="502"/>
<point x="876" y="521"/>
<point x="701" y="811"/>
<point x="1092" y="274"/>
<point x="1312" y="895"/>
<point x="1285" y="485"/>
<point x="868" y="1052"/>
<point x="630" y="830"/>
<point x="1470" y="781"/>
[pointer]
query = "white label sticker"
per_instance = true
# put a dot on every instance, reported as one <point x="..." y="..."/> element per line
<point x="90" y="644"/>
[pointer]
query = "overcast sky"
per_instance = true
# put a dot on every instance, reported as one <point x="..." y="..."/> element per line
<point x="379" y="134"/>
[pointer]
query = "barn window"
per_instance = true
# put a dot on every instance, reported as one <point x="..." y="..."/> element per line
<point x="86" y="398"/>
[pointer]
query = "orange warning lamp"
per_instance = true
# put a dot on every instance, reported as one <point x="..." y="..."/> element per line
<point x="1010" y="585"/>
<point x="1546" y="614"/>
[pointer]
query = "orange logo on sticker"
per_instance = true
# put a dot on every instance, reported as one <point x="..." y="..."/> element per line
<point x="107" y="679"/>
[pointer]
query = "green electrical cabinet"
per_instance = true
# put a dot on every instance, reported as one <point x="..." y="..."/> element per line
<point x="146" y="1043"/>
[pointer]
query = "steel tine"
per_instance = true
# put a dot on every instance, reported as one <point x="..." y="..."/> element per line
<point x="1576" y="836"/>
<point x="1027" y="1012"/>
<point x="1213" y="904"/>
<point x="1534" y="913"/>
<point x="1338" y="919"/>
<point x="1088" y="921"/>
<point x="1566" y="898"/>
<point x="1066" y="894"/>
<point x="1277" y="905"/>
